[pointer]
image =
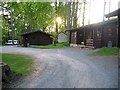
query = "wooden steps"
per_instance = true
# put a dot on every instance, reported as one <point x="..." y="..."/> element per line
<point x="89" y="43"/>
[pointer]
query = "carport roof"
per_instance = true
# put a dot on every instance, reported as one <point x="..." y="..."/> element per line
<point x="114" y="13"/>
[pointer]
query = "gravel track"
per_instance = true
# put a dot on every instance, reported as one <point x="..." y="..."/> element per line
<point x="67" y="68"/>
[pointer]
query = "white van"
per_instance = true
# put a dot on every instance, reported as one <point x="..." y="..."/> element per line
<point x="10" y="42"/>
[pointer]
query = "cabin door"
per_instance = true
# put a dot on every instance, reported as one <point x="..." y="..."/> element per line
<point x="73" y="37"/>
<point x="98" y="38"/>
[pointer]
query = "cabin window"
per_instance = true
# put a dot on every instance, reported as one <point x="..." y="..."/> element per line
<point x="98" y="33"/>
<point x="80" y="34"/>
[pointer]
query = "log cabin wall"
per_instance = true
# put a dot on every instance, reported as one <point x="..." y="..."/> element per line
<point x="80" y="36"/>
<point x="73" y="39"/>
<point x="37" y="38"/>
<point x="98" y="34"/>
<point x="109" y="33"/>
<point x="102" y="33"/>
<point x="88" y="38"/>
<point x="76" y="36"/>
<point x="119" y="27"/>
<point x="97" y="39"/>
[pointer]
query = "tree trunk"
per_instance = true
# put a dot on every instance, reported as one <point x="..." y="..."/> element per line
<point x="104" y="10"/>
<point x="56" y="10"/>
<point x="73" y="12"/>
<point x="69" y="16"/>
<point x="84" y="7"/>
<point x="75" y="16"/>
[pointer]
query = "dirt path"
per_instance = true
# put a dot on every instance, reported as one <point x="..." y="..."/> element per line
<point x="68" y="68"/>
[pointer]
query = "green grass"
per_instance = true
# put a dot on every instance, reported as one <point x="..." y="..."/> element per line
<point x="105" y="52"/>
<point x="58" y="45"/>
<point x="19" y="64"/>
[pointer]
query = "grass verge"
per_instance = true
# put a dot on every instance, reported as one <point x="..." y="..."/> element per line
<point x="20" y="64"/>
<point x="58" y="45"/>
<point x="105" y="52"/>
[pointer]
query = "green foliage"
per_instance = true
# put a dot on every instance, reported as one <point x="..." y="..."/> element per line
<point x="27" y="16"/>
<point x="55" y="37"/>
<point x="30" y="16"/>
<point x="58" y="45"/>
<point x="105" y="51"/>
<point x="19" y="64"/>
<point x="63" y="14"/>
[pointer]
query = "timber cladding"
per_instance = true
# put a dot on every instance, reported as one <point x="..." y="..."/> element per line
<point x="110" y="33"/>
<point x="37" y="38"/>
<point x="119" y="27"/>
<point x="76" y="36"/>
<point x="99" y="34"/>
<point x="73" y="37"/>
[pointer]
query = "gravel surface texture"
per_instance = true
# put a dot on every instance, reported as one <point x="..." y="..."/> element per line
<point x="67" y="68"/>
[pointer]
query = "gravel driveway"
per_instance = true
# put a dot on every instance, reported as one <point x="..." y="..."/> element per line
<point x="68" y="68"/>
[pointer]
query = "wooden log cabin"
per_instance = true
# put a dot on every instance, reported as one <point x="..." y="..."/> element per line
<point x="113" y="14"/>
<point x="95" y="35"/>
<point x="36" y="38"/>
<point x="76" y="36"/>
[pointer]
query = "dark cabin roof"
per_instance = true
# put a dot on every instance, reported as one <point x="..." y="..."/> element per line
<point x="73" y="29"/>
<point x="114" y="13"/>
<point x="93" y="25"/>
<point x="26" y="33"/>
<point x="106" y="22"/>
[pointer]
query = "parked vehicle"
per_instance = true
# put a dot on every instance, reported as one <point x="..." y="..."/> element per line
<point x="10" y="42"/>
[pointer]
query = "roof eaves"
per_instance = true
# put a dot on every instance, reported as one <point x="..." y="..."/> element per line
<point x="114" y="13"/>
<point x="34" y="32"/>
